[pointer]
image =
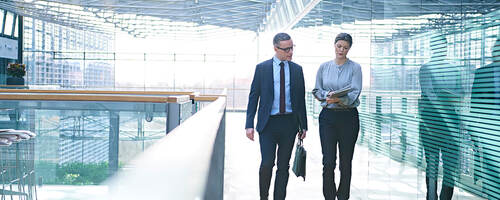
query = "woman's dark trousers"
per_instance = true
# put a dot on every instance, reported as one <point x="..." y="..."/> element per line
<point x="338" y="127"/>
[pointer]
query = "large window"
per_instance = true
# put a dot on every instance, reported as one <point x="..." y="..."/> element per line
<point x="9" y="24"/>
<point x="2" y="13"/>
<point x="46" y="53"/>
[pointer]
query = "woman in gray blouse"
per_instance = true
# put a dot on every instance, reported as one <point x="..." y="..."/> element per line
<point x="339" y="119"/>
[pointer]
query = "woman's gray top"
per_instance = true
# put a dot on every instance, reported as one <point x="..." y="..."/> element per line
<point x="332" y="77"/>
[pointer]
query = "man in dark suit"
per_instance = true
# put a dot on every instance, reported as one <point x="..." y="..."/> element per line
<point x="278" y="88"/>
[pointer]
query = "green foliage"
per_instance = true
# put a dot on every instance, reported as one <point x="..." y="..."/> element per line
<point x="16" y="70"/>
<point x="82" y="173"/>
<point x="70" y="178"/>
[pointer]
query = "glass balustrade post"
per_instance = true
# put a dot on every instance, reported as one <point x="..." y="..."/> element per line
<point x="363" y="127"/>
<point x="173" y="116"/>
<point x="194" y="107"/>
<point x="140" y="127"/>
<point x="404" y="114"/>
<point x="114" y="138"/>
<point x="378" y="123"/>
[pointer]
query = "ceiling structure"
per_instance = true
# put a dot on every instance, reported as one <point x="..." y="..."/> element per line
<point x="329" y="12"/>
<point x="143" y="18"/>
<point x="147" y="18"/>
<point x="403" y="16"/>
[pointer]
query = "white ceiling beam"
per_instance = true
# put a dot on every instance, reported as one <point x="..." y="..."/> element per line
<point x="286" y="13"/>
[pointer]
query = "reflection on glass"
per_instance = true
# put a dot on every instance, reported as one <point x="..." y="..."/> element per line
<point x="439" y="114"/>
<point x="423" y="67"/>
<point x="483" y="125"/>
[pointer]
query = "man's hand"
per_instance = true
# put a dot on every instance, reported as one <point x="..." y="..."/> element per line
<point x="303" y="134"/>
<point x="250" y="133"/>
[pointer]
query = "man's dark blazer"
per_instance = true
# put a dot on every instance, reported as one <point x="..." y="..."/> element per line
<point x="262" y="92"/>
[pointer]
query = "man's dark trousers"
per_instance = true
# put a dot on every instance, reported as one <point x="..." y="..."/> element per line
<point x="280" y="131"/>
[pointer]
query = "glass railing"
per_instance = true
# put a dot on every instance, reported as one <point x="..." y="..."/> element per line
<point x="82" y="137"/>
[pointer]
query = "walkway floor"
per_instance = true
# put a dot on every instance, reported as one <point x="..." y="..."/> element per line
<point x="375" y="177"/>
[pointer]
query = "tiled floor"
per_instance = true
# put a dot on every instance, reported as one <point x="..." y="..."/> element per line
<point x="375" y="177"/>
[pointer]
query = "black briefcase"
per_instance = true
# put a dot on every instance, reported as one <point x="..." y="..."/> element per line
<point x="299" y="163"/>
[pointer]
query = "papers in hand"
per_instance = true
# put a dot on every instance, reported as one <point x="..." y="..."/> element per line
<point x="340" y="92"/>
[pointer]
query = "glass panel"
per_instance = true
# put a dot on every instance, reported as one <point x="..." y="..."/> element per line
<point x="438" y="69"/>
<point x="16" y="27"/>
<point x="430" y="101"/>
<point x="82" y="142"/>
<point x="8" y="23"/>
<point x="2" y="12"/>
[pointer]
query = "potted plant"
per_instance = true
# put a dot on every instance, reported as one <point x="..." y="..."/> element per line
<point x="16" y="72"/>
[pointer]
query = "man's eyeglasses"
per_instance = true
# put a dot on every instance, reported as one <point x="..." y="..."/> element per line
<point x="286" y="49"/>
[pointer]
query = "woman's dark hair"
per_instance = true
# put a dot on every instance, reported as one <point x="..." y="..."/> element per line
<point x="344" y="36"/>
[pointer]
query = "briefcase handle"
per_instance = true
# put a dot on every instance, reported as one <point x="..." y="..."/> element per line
<point x="301" y="141"/>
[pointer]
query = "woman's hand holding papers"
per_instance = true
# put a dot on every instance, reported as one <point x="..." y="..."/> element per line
<point x="331" y="100"/>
